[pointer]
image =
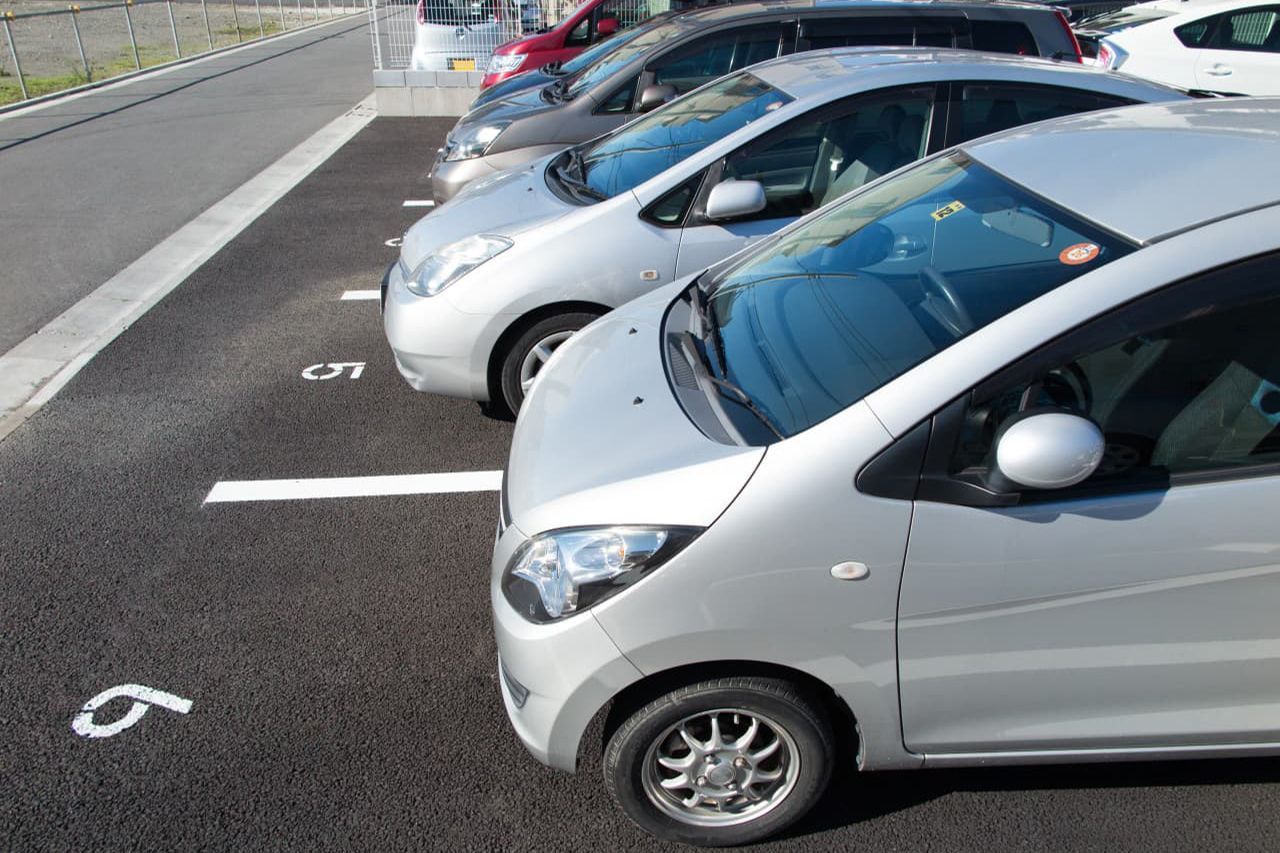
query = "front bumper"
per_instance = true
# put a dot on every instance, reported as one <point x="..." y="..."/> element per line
<point x="553" y="677"/>
<point x="437" y="348"/>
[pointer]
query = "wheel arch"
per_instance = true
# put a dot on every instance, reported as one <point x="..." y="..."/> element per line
<point x="639" y="693"/>
<point x="518" y="326"/>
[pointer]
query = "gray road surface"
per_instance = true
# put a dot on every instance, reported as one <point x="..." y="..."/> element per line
<point x="338" y="653"/>
<point x="89" y="185"/>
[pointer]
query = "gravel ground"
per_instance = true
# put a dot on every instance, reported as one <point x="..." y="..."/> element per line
<point x="47" y="47"/>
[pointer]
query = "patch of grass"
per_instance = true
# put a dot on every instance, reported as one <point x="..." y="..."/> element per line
<point x="247" y="32"/>
<point x="11" y="92"/>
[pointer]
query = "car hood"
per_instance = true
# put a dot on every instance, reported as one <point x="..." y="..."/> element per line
<point x="601" y="438"/>
<point x="517" y="105"/>
<point x="524" y="81"/>
<point x="505" y="204"/>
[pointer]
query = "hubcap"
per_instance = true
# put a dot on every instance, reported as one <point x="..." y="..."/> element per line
<point x="537" y="356"/>
<point x="721" y="767"/>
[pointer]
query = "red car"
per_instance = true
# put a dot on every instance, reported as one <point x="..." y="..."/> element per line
<point x="587" y="24"/>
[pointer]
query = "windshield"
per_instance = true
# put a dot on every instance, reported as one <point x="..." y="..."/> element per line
<point x="850" y="300"/>
<point x="623" y="53"/>
<point x="1114" y="22"/>
<point x="628" y="157"/>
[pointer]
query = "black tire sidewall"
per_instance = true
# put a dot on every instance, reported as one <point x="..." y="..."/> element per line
<point x="509" y="372"/>
<point x="798" y="713"/>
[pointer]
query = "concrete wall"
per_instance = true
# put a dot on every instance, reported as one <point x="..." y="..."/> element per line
<point x="425" y="93"/>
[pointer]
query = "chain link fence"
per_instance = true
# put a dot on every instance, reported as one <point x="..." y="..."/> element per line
<point x="460" y="35"/>
<point x="50" y="46"/>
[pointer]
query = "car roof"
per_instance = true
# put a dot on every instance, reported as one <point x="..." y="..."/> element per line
<point x="1148" y="171"/>
<point x="731" y="11"/>
<point x="817" y="73"/>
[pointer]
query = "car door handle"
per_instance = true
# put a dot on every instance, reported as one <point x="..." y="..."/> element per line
<point x="1219" y="71"/>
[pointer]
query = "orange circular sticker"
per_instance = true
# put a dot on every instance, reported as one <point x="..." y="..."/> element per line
<point x="1080" y="253"/>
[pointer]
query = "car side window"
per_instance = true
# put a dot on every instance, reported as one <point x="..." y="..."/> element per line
<point x="985" y="108"/>
<point x="669" y="211"/>
<point x="1179" y="383"/>
<point x="620" y="100"/>
<point x="1003" y="37"/>
<point x="870" y="31"/>
<point x="1196" y="33"/>
<point x="815" y="159"/>
<point x="580" y="34"/>
<point x="1256" y="30"/>
<point x="688" y="67"/>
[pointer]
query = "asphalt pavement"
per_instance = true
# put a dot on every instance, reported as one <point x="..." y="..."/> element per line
<point x="337" y="654"/>
<point x="87" y="185"/>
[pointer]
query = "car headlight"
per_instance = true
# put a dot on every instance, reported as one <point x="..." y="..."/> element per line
<point x="444" y="266"/>
<point x="472" y="142"/>
<point x="505" y="63"/>
<point x="555" y="575"/>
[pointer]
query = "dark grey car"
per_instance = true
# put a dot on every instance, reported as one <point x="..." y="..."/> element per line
<point x="696" y="47"/>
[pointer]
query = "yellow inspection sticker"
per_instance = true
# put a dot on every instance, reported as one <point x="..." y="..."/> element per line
<point x="943" y="212"/>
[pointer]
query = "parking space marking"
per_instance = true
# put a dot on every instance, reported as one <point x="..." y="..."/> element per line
<point x="143" y="698"/>
<point x="333" y="370"/>
<point x="349" y="295"/>
<point x="38" y="367"/>
<point x="425" y="202"/>
<point x="394" y="242"/>
<point x="233" y="491"/>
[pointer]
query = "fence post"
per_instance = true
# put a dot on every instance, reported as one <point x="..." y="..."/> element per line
<point x="133" y="41"/>
<point x="13" y="51"/>
<point x="173" y="27"/>
<point x="262" y="31"/>
<point x="299" y="12"/>
<point x="208" y="30"/>
<point x="235" y="19"/>
<point x="373" y="28"/>
<point x="283" y="25"/>
<point x="75" y="28"/>
<point x="315" y="4"/>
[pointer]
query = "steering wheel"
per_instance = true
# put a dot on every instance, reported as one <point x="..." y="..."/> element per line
<point x="942" y="302"/>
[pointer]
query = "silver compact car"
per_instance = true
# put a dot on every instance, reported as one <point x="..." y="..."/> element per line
<point x="976" y="466"/>
<point x="488" y="286"/>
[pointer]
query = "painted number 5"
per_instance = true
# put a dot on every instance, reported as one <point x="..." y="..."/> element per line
<point x="333" y="369"/>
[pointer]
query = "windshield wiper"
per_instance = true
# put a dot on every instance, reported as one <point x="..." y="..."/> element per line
<point x="706" y="315"/>
<point x="577" y="184"/>
<point x="707" y="318"/>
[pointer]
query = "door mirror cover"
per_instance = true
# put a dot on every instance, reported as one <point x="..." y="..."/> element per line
<point x="1049" y="450"/>
<point x="607" y="27"/>
<point x="655" y="96"/>
<point x="733" y="199"/>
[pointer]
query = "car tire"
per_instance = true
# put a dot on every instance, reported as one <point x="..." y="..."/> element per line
<point x="786" y="763"/>
<point x="529" y="352"/>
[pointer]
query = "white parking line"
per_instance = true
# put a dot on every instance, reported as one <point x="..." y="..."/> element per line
<point x="231" y="491"/>
<point x="38" y="367"/>
<point x="419" y="203"/>
<point x="348" y="295"/>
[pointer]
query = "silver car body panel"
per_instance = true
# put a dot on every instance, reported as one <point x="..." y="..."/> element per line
<point x="605" y="254"/>
<point x="665" y="472"/>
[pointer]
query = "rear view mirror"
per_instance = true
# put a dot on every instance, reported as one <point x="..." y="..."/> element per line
<point x="1049" y="450"/>
<point x="607" y="27"/>
<point x="655" y="96"/>
<point x="733" y="199"/>
<point x="1020" y="224"/>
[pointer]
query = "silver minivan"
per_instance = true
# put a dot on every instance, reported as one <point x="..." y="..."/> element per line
<point x="976" y="466"/>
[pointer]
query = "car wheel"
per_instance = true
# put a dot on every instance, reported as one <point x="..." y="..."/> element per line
<point x="721" y="762"/>
<point x="532" y="349"/>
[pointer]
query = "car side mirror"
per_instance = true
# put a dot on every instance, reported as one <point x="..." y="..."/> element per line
<point x="655" y="96"/>
<point x="1049" y="450"/>
<point x="607" y="26"/>
<point x="733" y="199"/>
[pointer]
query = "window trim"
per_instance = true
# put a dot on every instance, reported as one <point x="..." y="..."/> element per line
<point x="887" y="473"/>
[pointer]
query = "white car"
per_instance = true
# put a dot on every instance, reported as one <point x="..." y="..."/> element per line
<point x="461" y="35"/>
<point x="1227" y="46"/>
